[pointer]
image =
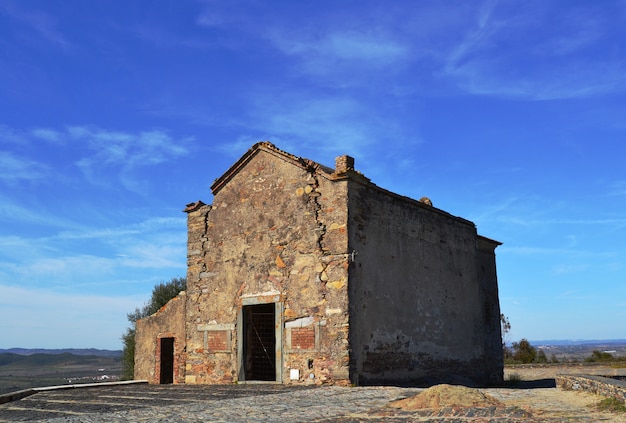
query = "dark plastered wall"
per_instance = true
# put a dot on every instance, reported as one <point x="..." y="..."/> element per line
<point x="417" y="311"/>
<point x="487" y="276"/>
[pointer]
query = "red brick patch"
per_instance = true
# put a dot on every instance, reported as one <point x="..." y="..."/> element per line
<point x="218" y="340"/>
<point x="303" y="338"/>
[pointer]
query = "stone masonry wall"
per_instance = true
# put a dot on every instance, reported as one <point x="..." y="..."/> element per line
<point x="276" y="231"/>
<point x="604" y="386"/>
<point x="168" y="322"/>
<point x="367" y="286"/>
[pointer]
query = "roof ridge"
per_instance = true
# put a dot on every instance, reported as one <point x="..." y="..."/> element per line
<point x="272" y="149"/>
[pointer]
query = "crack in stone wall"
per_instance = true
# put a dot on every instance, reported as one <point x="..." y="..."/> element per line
<point x="312" y="190"/>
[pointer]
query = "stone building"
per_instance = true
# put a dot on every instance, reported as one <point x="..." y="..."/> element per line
<point x="300" y="273"/>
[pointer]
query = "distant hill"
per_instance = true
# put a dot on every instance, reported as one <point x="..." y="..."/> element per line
<point x="574" y="342"/>
<point x="40" y="359"/>
<point x="75" y="351"/>
<point x="55" y="367"/>
<point x="581" y="349"/>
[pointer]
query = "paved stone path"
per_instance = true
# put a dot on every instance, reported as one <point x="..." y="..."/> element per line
<point x="279" y="403"/>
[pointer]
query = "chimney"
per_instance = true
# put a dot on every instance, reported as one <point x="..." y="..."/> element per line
<point x="343" y="164"/>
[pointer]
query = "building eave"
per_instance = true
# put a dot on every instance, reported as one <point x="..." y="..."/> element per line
<point x="488" y="243"/>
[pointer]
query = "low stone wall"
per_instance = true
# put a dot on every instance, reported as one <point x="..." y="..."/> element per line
<point x="18" y="395"/>
<point x="604" y="386"/>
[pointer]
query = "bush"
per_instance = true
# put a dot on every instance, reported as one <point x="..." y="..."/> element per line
<point x="541" y="357"/>
<point x="599" y="356"/>
<point x="514" y="379"/>
<point x="611" y="404"/>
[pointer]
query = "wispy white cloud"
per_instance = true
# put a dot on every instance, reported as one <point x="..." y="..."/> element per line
<point x="220" y="14"/>
<point x="487" y="60"/>
<point x="42" y="23"/>
<point x="520" y="220"/>
<point x="321" y="126"/>
<point x="564" y="269"/>
<point x="67" y="273"/>
<point x="75" y="268"/>
<point x="520" y="210"/>
<point x="618" y="188"/>
<point x="126" y="151"/>
<point x="567" y="293"/>
<point x="584" y="80"/>
<point x="155" y="242"/>
<point x="239" y="146"/>
<point x="159" y="37"/>
<point x="122" y="262"/>
<point x="331" y="123"/>
<point x="576" y="295"/>
<point x="504" y="49"/>
<point x="49" y="135"/>
<point x="494" y="210"/>
<point x="337" y="45"/>
<point x="584" y="31"/>
<point x="548" y="251"/>
<point x="14" y="169"/>
<point x="12" y="136"/>
<point x="149" y="255"/>
<point x="149" y="226"/>
<point x="97" y="151"/>
<point x="326" y="120"/>
<point x="477" y="36"/>
<point x="324" y="54"/>
<point x="11" y="212"/>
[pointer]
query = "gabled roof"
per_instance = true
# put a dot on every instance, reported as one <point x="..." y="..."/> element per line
<point x="270" y="148"/>
<point x="344" y="168"/>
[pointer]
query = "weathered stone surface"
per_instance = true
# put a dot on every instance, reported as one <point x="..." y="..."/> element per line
<point x="168" y="322"/>
<point x="605" y="386"/>
<point x="366" y="286"/>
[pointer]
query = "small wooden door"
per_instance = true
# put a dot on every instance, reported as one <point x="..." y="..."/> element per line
<point x="167" y="361"/>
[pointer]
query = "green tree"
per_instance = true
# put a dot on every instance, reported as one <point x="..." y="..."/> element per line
<point x="161" y="294"/>
<point x="505" y="328"/>
<point x="523" y="352"/>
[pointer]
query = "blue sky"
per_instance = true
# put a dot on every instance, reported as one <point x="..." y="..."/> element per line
<point x="114" y="115"/>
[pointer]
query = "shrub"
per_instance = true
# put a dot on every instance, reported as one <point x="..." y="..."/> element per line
<point x="611" y="404"/>
<point x="513" y="379"/>
<point x="599" y="356"/>
<point x="541" y="357"/>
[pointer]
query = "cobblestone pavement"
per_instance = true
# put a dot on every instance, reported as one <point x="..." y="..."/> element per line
<point x="279" y="403"/>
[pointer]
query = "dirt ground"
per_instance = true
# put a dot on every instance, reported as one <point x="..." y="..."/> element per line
<point x="529" y="395"/>
<point x="530" y="372"/>
<point x="554" y="404"/>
